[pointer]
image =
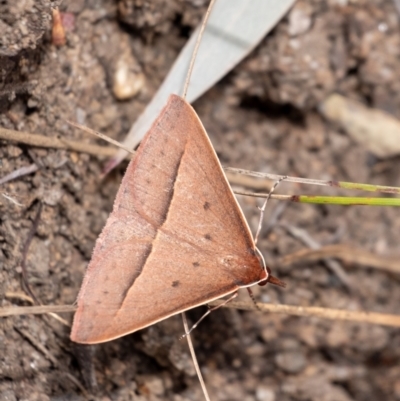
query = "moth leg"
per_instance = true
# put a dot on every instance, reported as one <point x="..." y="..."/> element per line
<point x="251" y="295"/>
<point x="210" y="309"/>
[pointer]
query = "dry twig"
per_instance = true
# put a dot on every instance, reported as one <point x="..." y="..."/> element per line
<point x="42" y="141"/>
<point x="35" y="310"/>
<point x="19" y="173"/>
<point x="324" y="313"/>
<point x="333" y="265"/>
<point x="345" y="253"/>
<point x="194" y="358"/>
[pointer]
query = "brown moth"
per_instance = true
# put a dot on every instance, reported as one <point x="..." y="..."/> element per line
<point x="175" y="239"/>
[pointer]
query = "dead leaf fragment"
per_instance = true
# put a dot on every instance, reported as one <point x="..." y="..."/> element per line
<point x="376" y="130"/>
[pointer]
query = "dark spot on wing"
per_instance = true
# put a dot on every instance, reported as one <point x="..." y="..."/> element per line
<point x="175" y="283"/>
<point x="207" y="237"/>
<point x="196" y="264"/>
<point x="206" y="205"/>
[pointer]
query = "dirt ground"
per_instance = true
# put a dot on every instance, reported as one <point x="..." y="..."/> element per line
<point x="264" y="117"/>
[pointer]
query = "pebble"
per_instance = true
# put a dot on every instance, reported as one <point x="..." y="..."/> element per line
<point x="264" y="393"/>
<point x="291" y="361"/>
<point x="154" y="384"/>
<point x="300" y="19"/>
<point x="128" y="80"/>
<point x="8" y="395"/>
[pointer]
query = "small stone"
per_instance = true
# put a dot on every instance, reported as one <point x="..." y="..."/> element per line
<point x="128" y="80"/>
<point x="14" y="151"/>
<point x="32" y="103"/>
<point x="80" y="116"/>
<point x="8" y="395"/>
<point x="153" y="385"/>
<point x="264" y="393"/>
<point x="300" y="19"/>
<point x="181" y="359"/>
<point x="291" y="361"/>
<point x="38" y="259"/>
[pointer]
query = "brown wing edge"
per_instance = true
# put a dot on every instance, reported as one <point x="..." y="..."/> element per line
<point x="77" y="330"/>
<point x="101" y="339"/>
<point x="243" y="221"/>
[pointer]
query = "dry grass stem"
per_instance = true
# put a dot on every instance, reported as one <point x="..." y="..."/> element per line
<point x="194" y="358"/>
<point x="324" y="313"/>
<point x="42" y="141"/>
<point x="332" y="264"/>
<point x="248" y="182"/>
<point x="19" y="173"/>
<point x="35" y="310"/>
<point x="347" y="254"/>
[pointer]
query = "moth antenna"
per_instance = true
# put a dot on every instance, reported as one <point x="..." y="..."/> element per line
<point x="100" y="135"/>
<point x="196" y="48"/>
<point x="262" y="209"/>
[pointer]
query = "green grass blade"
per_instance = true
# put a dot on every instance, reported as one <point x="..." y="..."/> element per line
<point x="327" y="200"/>
<point x="345" y="201"/>
<point x="367" y="187"/>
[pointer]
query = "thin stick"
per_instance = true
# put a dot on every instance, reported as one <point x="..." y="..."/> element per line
<point x="19" y="173"/>
<point x="332" y="264"/>
<point x="194" y="359"/>
<point x="12" y="200"/>
<point x="185" y="89"/>
<point x="346" y="253"/>
<point x="35" y="310"/>
<point x="325" y="313"/>
<point x="27" y="298"/>
<point x="196" y="49"/>
<point x="42" y="141"/>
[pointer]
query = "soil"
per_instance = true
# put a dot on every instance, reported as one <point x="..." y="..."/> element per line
<point x="263" y="116"/>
